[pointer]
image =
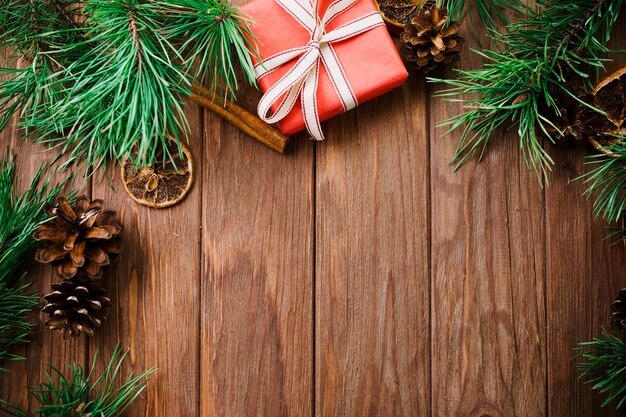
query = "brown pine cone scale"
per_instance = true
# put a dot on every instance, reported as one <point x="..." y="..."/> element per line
<point x="429" y="41"/>
<point x="76" y="306"/>
<point x="80" y="239"/>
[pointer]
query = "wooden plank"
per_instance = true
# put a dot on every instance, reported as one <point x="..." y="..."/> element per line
<point x="488" y="268"/>
<point x="372" y="259"/>
<point x="257" y="286"/>
<point x="155" y="289"/>
<point x="45" y="347"/>
<point x="584" y="273"/>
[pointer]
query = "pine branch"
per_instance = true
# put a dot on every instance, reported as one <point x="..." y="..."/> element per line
<point x="490" y="12"/>
<point x="603" y="362"/>
<point x="20" y="216"/>
<point x="130" y="81"/>
<point x="531" y="62"/>
<point x="81" y="391"/>
<point x="212" y="35"/>
<point x="607" y="182"/>
<point x="97" y="90"/>
<point x="33" y="31"/>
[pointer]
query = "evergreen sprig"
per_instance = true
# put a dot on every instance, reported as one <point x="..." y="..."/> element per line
<point x="491" y="12"/>
<point x="602" y="362"/>
<point x="531" y="61"/>
<point x="97" y="89"/>
<point x="20" y="216"/>
<point x="85" y="393"/>
<point x="607" y="182"/>
<point x="33" y="30"/>
<point x="212" y="35"/>
<point x="125" y="90"/>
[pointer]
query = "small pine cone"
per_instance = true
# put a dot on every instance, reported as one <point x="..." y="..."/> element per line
<point x="428" y="42"/>
<point x="80" y="239"/>
<point x="76" y="306"/>
<point x="574" y="121"/>
<point x="619" y="310"/>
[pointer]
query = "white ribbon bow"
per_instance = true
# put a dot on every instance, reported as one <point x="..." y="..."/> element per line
<point x="301" y="80"/>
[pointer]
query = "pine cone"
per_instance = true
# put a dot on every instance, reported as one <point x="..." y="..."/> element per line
<point x="619" y="310"/>
<point x="574" y="121"/>
<point x="79" y="239"/>
<point x="76" y="306"/>
<point x="428" y="42"/>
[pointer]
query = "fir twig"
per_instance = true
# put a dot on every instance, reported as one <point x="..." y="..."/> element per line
<point x="490" y="12"/>
<point x="84" y="392"/>
<point x="535" y="58"/>
<point x="20" y="216"/>
<point x="116" y="81"/>
<point x="603" y="364"/>
<point x="607" y="182"/>
<point x="212" y="35"/>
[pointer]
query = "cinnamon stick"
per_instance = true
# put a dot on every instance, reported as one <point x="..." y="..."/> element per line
<point x="239" y="117"/>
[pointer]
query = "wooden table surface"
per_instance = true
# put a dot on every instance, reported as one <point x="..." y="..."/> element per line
<point x="360" y="276"/>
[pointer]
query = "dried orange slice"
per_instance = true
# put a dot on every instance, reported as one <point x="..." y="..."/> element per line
<point x="610" y="97"/>
<point x="397" y="13"/>
<point x="162" y="184"/>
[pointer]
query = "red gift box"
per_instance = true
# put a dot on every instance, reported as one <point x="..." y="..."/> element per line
<point x="370" y="60"/>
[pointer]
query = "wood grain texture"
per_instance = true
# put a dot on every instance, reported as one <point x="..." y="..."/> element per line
<point x="154" y="286"/>
<point x="356" y="277"/>
<point x="45" y="347"/>
<point x="584" y="273"/>
<point x="488" y="270"/>
<point x="372" y="260"/>
<point x="257" y="286"/>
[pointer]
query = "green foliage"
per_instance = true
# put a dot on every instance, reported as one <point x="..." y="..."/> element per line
<point x="607" y="182"/>
<point x="536" y="56"/>
<point x="214" y="36"/>
<point x="20" y="215"/>
<point x="603" y="363"/>
<point x="33" y="30"/>
<point x="125" y="90"/>
<point x="83" y="392"/>
<point x="95" y="90"/>
<point x="490" y="12"/>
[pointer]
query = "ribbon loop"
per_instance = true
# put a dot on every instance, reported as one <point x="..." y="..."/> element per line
<point x="302" y="79"/>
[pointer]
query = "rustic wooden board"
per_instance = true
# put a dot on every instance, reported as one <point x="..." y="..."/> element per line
<point x="372" y="339"/>
<point x="584" y="273"/>
<point x="45" y="347"/>
<point x="488" y="269"/>
<point x="356" y="277"/>
<point x="257" y="275"/>
<point x="155" y="288"/>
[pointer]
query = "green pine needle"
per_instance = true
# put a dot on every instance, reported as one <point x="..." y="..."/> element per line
<point x="603" y="363"/>
<point x="213" y="35"/>
<point x="34" y="30"/>
<point x="98" y="89"/>
<point x="83" y="392"/>
<point x="20" y="216"/>
<point x="124" y="91"/>
<point x="535" y="58"/>
<point x="607" y="182"/>
<point x="490" y="12"/>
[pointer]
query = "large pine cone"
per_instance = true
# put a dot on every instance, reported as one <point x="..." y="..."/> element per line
<point x="80" y="239"/>
<point x="76" y="307"/>
<point x="428" y="41"/>
<point x="619" y="310"/>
